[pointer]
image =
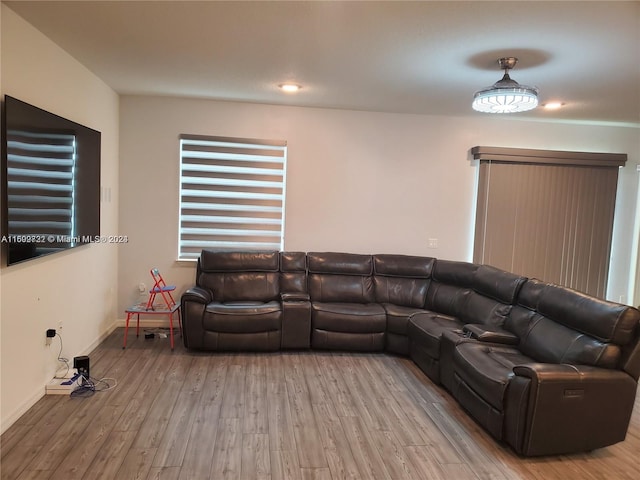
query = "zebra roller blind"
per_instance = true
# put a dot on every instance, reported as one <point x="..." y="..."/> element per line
<point x="547" y="214"/>
<point x="232" y="193"/>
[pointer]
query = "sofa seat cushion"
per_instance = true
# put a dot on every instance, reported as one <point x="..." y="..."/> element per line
<point x="487" y="369"/>
<point x="348" y="317"/>
<point x="425" y="329"/>
<point x="242" y="317"/>
<point x="398" y="317"/>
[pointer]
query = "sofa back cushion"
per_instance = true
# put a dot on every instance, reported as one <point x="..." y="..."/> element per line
<point x="451" y="293"/>
<point x="559" y="325"/>
<point x="402" y="279"/>
<point x="547" y="341"/>
<point x="473" y="293"/>
<point x="479" y="309"/>
<point x="494" y="292"/>
<point x="240" y="276"/>
<point x="498" y="284"/>
<point x="293" y="272"/>
<point x="606" y="321"/>
<point x="340" y="277"/>
<point x="450" y="286"/>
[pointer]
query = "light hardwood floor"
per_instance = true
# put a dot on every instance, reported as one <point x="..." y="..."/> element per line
<point x="300" y="415"/>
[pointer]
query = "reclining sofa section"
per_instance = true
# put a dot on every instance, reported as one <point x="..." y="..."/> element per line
<point x="543" y="368"/>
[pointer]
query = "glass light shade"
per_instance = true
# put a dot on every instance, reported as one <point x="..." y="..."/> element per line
<point x="505" y="96"/>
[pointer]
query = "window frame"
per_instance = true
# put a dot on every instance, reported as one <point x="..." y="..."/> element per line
<point x="247" y="176"/>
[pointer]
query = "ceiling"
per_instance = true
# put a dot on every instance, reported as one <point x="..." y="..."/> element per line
<point x="404" y="57"/>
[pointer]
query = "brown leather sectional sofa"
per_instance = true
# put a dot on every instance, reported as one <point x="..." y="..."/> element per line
<point x="543" y="368"/>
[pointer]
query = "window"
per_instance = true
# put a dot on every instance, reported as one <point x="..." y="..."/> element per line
<point x="547" y="214"/>
<point x="231" y="194"/>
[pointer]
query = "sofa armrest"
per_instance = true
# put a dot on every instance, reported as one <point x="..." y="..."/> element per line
<point x="294" y="297"/>
<point x="197" y="294"/>
<point x="563" y="372"/>
<point x="193" y="304"/>
<point x="561" y="408"/>
<point x="489" y="333"/>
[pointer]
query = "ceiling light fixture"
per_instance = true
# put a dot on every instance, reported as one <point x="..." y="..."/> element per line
<point x="506" y="95"/>
<point x="289" y="87"/>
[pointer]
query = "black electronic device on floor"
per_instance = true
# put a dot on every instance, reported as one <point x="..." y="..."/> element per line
<point x="81" y="363"/>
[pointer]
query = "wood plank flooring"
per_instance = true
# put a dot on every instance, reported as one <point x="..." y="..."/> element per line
<point x="286" y="415"/>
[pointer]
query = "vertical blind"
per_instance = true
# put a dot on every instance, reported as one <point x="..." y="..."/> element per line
<point x="547" y="217"/>
<point x="232" y="193"/>
<point x="40" y="187"/>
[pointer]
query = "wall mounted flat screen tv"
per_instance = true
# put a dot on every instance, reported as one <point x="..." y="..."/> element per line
<point x="50" y="182"/>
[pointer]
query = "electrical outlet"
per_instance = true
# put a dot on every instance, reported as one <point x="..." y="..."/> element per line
<point x="50" y="334"/>
<point x="59" y="324"/>
<point x="433" y="243"/>
<point x="142" y="287"/>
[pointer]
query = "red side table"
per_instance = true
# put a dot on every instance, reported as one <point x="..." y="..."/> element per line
<point x="141" y="309"/>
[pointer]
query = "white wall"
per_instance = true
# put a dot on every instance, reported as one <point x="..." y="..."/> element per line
<point x="357" y="181"/>
<point x="77" y="287"/>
